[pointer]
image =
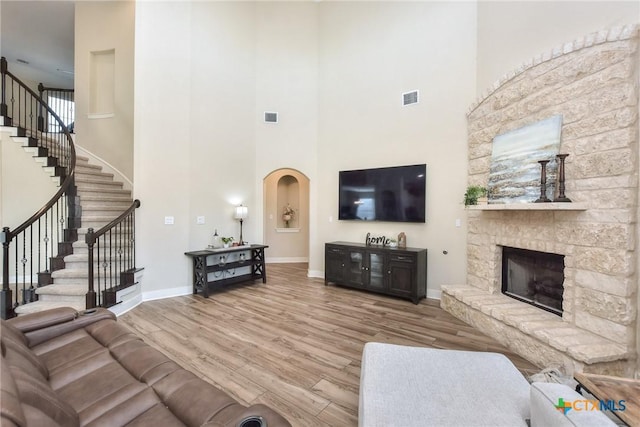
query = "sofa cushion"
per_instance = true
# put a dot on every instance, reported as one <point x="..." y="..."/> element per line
<point x="15" y="349"/>
<point x="37" y="393"/>
<point x="11" y="405"/>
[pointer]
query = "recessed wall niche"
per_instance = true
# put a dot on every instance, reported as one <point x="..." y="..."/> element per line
<point x="288" y="194"/>
<point x="102" y="83"/>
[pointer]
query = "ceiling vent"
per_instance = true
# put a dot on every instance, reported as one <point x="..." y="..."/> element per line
<point x="270" y="117"/>
<point x="409" y="98"/>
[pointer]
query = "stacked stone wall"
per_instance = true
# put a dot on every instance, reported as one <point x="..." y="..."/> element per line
<point x="593" y="83"/>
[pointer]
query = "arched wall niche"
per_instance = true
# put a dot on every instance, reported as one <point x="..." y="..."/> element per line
<point x="288" y="194"/>
<point x="287" y="242"/>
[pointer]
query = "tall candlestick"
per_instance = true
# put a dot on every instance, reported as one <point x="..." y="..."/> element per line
<point x="561" y="197"/>
<point x="543" y="182"/>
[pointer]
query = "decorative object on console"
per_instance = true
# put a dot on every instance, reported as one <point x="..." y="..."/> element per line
<point x="216" y="240"/>
<point x="402" y="240"/>
<point x="473" y="193"/>
<point x="288" y="214"/>
<point x="543" y="182"/>
<point x="226" y="241"/>
<point x="377" y="240"/>
<point x="561" y="197"/>
<point x="241" y="214"/>
<point x="513" y="176"/>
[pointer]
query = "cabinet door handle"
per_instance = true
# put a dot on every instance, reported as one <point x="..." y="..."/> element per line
<point x="389" y="272"/>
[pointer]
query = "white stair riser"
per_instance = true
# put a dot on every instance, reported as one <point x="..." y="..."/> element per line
<point x="92" y="193"/>
<point x="83" y="186"/>
<point x="93" y="174"/>
<point x="62" y="298"/>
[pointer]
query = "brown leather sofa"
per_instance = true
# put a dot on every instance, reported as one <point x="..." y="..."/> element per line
<point x="66" y="368"/>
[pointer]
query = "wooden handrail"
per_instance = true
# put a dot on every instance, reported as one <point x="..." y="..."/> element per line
<point x="92" y="237"/>
<point x="63" y="149"/>
<point x="96" y="234"/>
<point x="69" y="178"/>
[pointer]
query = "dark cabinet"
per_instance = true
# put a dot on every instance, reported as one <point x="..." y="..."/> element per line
<point x="335" y="266"/>
<point x="400" y="272"/>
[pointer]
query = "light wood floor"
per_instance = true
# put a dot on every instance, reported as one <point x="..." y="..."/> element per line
<point x="295" y="344"/>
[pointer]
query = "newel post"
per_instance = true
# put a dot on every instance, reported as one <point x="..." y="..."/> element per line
<point x="91" y="294"/>
<point x="6" y="293"/>
<point x="3" y="102"/>
<point x="41" y="127"/>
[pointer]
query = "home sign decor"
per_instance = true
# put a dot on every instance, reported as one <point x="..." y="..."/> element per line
<point x="377" y="240"/>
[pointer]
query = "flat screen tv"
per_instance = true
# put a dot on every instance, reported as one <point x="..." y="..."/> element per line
<point x="394" y="194"/>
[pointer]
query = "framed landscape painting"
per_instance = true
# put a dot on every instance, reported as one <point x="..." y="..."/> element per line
<point x="514" y="176"/>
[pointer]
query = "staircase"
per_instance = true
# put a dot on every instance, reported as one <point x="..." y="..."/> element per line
<point x="102" y="199"/>
<point x="78" y="249"/>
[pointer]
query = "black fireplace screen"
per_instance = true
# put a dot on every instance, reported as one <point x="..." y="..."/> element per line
<point x="533" y="277"/>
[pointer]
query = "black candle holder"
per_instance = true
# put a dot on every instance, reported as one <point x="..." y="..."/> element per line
<point x="561" y="197"/>
<point x="543" y="182"/>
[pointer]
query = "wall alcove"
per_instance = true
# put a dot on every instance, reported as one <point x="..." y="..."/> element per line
<point x="288" y="194"/>
<point x="288" y="239"/>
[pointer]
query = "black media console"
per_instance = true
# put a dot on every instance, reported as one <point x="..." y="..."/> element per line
<point x="400" y="272"/>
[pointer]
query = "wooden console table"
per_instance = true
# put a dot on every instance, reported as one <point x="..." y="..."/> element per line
<point x="223" y="264"/>
<point x="607" y="388"/>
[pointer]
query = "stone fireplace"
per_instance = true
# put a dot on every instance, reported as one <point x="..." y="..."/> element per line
<point x="593" y="83"/>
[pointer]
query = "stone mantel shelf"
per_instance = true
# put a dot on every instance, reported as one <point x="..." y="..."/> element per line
<point x="559" y="206"/>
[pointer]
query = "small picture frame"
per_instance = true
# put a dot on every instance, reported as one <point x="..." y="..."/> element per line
<point x="402" y="240"/>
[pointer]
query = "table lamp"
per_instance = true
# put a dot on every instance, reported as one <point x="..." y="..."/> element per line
<point x="240" y="214"/>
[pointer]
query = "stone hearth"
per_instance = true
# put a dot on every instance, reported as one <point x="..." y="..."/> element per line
<point x="593" y="82"/>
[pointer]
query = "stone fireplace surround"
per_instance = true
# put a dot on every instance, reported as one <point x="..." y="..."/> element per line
<point x="593" y="82"/>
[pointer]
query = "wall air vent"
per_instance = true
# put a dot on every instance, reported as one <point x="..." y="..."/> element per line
<point x="409" y="98"/>
<point x="270" y="117"/>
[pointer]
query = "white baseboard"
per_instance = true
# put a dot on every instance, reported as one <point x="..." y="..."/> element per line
<point x="167" y="293"/>
<point x="434" y="293"/>
<point x="315" y="273"/>
<point x="122" y="308"/>
<point x="286" y="260"/>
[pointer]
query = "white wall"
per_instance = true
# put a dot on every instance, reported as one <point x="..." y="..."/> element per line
<point x="370" y="53"/>
<point x="212" y="151"/>
<point x="24" y="186"/>
<point x="287" y="37"/>
<point x="510" y="33"/>
<point x="106" y="25"/>
<point x="222" y="171"/>
<point x="161" y="151"/>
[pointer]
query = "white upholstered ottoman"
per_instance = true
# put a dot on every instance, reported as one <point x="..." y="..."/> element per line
<point x="413" y="386"/>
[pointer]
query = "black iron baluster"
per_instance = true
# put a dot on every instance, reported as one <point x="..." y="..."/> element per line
<point x="46" y="243"/>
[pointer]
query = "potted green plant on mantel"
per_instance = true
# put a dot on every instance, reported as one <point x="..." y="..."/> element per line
<point x="226" y="241"/>
<point x="475" y="194"/>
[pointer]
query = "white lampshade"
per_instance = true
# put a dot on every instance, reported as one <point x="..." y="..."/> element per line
<point x="241" y="212"/>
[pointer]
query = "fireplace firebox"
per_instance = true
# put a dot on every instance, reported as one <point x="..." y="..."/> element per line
<point x="534" y="277"/>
